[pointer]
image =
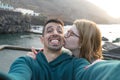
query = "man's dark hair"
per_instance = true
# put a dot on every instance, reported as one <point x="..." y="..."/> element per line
<point x="56" y="20"/>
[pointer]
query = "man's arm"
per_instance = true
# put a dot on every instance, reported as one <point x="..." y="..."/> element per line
<point x="20" y="69"/>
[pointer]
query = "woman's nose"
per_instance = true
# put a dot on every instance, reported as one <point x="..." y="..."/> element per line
<point x="65" y="35"/>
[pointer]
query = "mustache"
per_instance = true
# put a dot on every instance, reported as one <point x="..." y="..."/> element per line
<point x="55" y="37"/>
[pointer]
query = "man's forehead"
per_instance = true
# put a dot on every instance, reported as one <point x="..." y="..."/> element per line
<point x="52" y="25"/>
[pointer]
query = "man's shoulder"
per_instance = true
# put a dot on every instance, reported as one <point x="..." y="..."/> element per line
<point x="66" y="51"/>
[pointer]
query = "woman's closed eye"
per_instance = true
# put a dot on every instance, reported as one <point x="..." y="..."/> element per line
<point x="72" y="34"/>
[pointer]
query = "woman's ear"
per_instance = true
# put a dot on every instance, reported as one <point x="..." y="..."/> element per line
<point x="41" y="39"/>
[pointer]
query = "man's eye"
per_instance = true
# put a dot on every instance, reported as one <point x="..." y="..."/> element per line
<point x="49" y="31"/>
<point x="60" y="31"/>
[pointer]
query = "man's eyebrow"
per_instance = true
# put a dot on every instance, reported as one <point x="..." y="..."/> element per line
<point x="49" y="27"/>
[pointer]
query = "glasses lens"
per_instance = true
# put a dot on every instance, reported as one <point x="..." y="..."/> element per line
<point x="70" y="33"/>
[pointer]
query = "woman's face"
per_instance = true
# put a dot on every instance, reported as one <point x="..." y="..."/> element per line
<point x="72" y="38"/>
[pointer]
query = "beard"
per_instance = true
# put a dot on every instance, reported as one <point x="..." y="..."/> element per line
<point x="55" y="48"/>
<point x="55" y="43"/>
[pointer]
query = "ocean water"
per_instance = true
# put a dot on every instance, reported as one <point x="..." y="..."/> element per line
<point x="111" y="31"/>
<point x="21" y="39"/>
<point x="26" y="40"/>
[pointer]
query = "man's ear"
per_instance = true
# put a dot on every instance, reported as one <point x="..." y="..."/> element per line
<point x="41" y="39"/>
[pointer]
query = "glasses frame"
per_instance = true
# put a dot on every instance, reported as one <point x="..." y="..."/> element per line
<point x="71" y="33"/>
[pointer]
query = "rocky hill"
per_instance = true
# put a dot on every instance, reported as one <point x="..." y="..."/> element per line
<point x="68" y="10"/>
<point x="12" y="22"/>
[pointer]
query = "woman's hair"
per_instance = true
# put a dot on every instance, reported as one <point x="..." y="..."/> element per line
<point x="90" y="39"/>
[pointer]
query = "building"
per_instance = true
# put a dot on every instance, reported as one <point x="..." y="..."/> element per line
<point x="26" y="11"/>
<point x="5" y="6"/>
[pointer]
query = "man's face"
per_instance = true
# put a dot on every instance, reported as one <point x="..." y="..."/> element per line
<point x="53" y="37"/>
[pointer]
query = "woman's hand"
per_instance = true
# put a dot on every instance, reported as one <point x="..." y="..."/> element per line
<point x="33" y="53"/>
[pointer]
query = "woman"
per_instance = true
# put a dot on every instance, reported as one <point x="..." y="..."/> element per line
<point x="83" y="39"/>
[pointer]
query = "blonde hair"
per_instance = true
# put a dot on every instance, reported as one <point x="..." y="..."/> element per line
<point x="90" y="39"/>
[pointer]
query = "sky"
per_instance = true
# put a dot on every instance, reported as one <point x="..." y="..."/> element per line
<point x="112" y="7"/>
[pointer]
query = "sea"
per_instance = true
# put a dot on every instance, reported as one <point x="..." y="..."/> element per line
<point x="28" y="40"/>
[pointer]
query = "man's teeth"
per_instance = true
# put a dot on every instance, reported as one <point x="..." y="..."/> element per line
<point x="54" y="41"/>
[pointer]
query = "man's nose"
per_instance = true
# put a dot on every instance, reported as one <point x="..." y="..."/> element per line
<point x="56" y="32"/>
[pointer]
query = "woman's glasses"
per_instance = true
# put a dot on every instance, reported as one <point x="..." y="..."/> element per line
<point x="71" y="33"/>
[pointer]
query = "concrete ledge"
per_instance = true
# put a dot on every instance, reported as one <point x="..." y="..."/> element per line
<point x="15" y="47"/>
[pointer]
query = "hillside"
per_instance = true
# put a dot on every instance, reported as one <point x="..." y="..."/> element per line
<point x="68" y="10"/>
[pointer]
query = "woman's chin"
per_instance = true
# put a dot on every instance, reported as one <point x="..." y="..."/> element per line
<point x="67" y="47"/>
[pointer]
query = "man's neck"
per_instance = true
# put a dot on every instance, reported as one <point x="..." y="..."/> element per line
<point x="51" y="55"/>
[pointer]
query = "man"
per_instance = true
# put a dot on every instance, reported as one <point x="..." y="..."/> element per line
<point x="52" y="63"/>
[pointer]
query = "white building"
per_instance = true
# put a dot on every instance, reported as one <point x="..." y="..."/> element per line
<point x="26" y="11"/>
<point x="5" y="6"/>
